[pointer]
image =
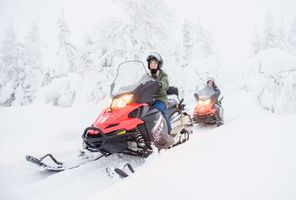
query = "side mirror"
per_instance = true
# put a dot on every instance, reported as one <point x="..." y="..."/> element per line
<point x="111" y="87"/>
<point x="196" y="96"/>
<point x="220" y="101"/>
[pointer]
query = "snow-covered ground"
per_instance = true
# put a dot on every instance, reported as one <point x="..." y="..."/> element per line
<point x="250" y="157"/>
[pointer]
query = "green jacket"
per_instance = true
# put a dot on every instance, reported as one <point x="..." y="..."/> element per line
<point x="161" y="95"/>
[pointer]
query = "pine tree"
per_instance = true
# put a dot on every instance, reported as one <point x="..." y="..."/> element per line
<point x="269" y="35"/>
<point x="67" y="51"/>
<point x="66" y="74"/>
<point x="31" y="67"/>
<point x="9" y="68"/>
<point x="188" y="42"/>
<point x="292" y="38"/>
<point x="281" y="36"/>
<point x="256" y="44"/>
<point x="147" y="28"/>
<point x="203" y="42"/>
<point x="86" y="57"/>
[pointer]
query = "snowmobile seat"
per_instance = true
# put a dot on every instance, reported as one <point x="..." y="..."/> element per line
<point x="172" y="103"/>
<point x="171" y="106"/>
<point x="173" y="91"/>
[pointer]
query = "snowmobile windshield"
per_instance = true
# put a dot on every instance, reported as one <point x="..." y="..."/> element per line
<point x="206" y="93"/>
<point x="129" y="76"/>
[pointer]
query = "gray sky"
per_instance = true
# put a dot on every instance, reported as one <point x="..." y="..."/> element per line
<point x="230" y="21"/>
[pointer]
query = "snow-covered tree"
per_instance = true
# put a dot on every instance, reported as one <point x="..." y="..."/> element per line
<point x="95" y="67"/>
<point x="63" y="83"/>
<point x="256" y="42"/>
<point x="21" y="68"/>
<point x="272" y="36"/>
<point x="281" y="36"/>
<point x="87" y="55"/>
<point x="146" y="27"/>
<point x="197" y="43"/>
<point x="269" y="36"/>
<point x="279" y="95"/>
<point x="292" y="38"/>
<point x="188" y="34"/>
<point x="66" y="50"/>
<point x="152" y="23"/>
<point x="9" y="67"/>
<point x="9" y="48"/>
<point x="30" y="65"/>
<point x="204" y="42"/>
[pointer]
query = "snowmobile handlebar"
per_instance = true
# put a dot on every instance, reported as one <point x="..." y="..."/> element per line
<point x="181" y="106"/>
<point x="220" y="101"/>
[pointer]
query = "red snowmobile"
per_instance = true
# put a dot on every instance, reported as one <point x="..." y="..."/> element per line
<point x="130" y="125"/>
<point x="208" y="109"/>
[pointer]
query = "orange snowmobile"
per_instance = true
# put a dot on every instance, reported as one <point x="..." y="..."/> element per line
<point x="208" y="109"/>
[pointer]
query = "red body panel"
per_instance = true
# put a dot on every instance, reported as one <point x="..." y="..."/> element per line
<point x="117" y="119"/>
<point x="203" y="110"/>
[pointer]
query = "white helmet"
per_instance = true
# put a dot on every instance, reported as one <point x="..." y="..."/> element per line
<point x="210" y="79"/>
<point x="156" y="56"/>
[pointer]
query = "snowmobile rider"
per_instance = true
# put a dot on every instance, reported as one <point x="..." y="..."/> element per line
<point x="155" y="63"/>
<point x="211" y="83"/>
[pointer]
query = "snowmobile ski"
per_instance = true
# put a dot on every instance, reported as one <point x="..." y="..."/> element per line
<point x="120" y="171"/>
<point x="60" y="166"/>
<point x="181" y="138"/>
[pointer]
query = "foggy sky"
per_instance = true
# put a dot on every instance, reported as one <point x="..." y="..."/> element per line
<point x="231" y="22"/>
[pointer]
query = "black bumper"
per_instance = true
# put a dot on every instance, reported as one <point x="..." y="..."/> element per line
<point x="206" y="119"/>
<point x="106" y="143"/>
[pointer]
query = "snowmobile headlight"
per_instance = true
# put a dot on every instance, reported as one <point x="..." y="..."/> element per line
<point x="122" y="101"/>
<point x="207" y="102"/>
<point x="204" y="103"/>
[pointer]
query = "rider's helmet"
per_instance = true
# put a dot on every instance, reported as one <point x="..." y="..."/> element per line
<point x="210" y="79"/>
<point x="155" y="56"/>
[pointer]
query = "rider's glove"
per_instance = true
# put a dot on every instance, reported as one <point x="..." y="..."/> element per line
<point x="160" y="85"/>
